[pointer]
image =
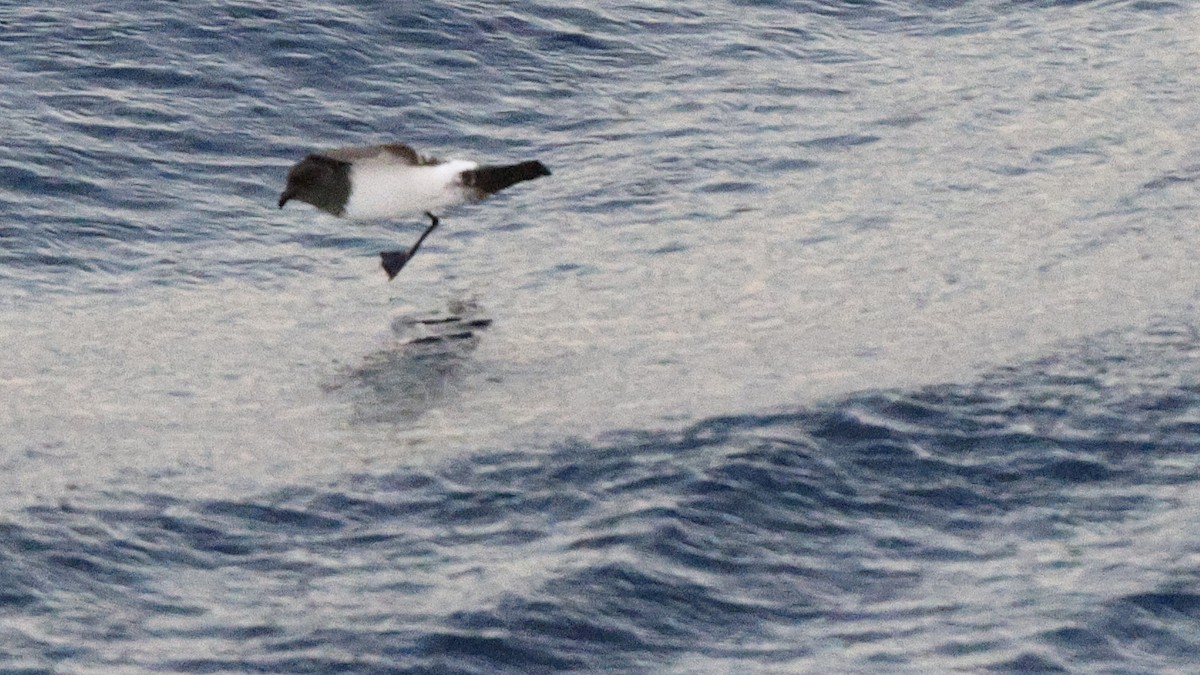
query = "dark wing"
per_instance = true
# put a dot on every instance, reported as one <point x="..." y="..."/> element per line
<point x="396" y="153"/>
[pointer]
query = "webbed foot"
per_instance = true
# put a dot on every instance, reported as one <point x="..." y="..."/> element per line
<point x="394" y="261"/>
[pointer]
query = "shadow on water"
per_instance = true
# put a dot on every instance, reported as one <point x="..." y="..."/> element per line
<point x="419" y="370"/>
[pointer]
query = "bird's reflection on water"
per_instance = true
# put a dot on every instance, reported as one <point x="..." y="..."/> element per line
<point x="418" y="371"/>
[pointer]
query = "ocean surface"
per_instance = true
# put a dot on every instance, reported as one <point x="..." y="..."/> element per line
<point x="852" y="336"/>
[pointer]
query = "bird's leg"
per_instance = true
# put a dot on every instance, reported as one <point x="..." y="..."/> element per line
<point x="433" y="222"/>
<point x="394" y="261"/>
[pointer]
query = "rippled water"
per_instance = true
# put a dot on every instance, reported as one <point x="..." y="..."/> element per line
<point x="846" y="336"/>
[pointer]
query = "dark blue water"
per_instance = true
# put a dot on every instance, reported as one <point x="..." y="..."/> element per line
<point x="846" y="337"/>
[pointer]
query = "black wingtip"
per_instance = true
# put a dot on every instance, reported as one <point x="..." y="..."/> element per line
<point x="393" y="262"/>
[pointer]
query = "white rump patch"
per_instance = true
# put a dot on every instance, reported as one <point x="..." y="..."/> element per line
<point x="382" y="191"/>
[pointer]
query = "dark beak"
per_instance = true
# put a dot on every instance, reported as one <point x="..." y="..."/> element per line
<point x="283" y="198"/>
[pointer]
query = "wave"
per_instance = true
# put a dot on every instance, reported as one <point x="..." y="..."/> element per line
<point x="917" y="518"/>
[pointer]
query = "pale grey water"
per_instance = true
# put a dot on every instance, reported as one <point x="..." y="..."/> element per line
<point x="792" y="216"/>
<point x="755" y="207"/>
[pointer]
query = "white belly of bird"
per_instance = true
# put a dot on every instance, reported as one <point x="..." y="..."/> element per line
<point x="388" y="191"/>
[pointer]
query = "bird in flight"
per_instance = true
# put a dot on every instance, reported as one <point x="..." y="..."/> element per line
<point x="385" y="182"/>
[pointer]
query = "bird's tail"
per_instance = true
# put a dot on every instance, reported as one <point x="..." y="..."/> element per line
<point x="487" y="180"/>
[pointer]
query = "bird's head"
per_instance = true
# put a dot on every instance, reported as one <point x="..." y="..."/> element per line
<point x="320" y="181"/>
